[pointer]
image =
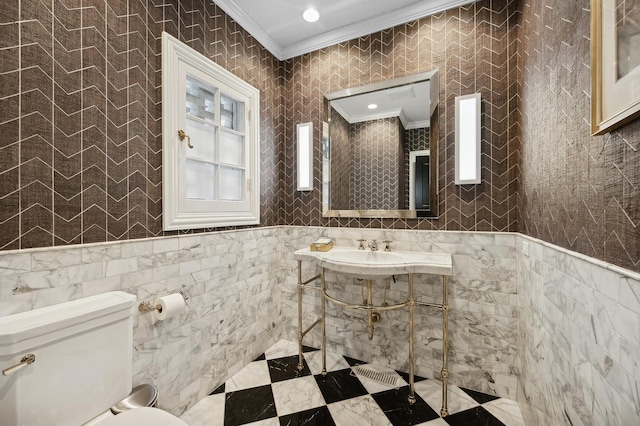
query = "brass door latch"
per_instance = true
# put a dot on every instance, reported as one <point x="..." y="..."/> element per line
<point x="182" y="135"/>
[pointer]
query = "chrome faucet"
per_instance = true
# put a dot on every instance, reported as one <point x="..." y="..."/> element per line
<point x="373" y="245"/>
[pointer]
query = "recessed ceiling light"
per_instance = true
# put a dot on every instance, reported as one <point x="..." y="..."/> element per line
<point x="311" y="15"/>
<point x="372" y="106"/>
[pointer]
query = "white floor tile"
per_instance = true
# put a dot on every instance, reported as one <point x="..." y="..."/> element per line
<point x="362" y="410"/>
<point x="296" y="395"/>
<point x="334" y="361"/>
<point x="268" y="422"/>
<point x="281" y="349"/>
<point x="254" y="374"/>
<point x="457" y="400"/>
<point x="209" y="411"/>
<point x="505" y="410"/>
<point x="436" y="422"/>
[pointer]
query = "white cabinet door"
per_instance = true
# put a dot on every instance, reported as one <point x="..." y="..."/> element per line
<point x="210" y="143"/>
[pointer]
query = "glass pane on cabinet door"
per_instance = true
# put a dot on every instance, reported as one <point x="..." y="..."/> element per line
<point x="200" y="181"/>
<point x="203" y="139"/>
<point x="201" y="100"/>
<point x="231" y="113"/>
<point x="231" y="148"/>
<point x="231" y="184"/>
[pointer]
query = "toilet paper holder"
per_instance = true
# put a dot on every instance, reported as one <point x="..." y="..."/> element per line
<point x="145" y="307"/>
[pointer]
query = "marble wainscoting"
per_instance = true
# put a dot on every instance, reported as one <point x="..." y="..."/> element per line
<point x="233" y="312"/>
<point x="483" y="300"/>
<point x="579" y="339"/>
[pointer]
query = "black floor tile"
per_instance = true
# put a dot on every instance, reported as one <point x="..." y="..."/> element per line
<point x="220" y="389"/>
<point x="339" y="385"/>
<point x="314" y="417"/>
<point x="396" y="407"/>
<point x="405" y="376"/>
<point x="286" y="368"/>
<point x="477" y="416"/>
<point x="261" y="358"/>
<point x="309" y="349"/>
<point x="479" y="396"/>
<point x="352" y="361"/>
<point x="249" y="405"/>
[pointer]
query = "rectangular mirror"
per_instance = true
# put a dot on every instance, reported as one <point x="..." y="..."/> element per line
<point x="380" y="157"/>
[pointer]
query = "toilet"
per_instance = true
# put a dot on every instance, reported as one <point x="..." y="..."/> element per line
<point x="83" y="365"/>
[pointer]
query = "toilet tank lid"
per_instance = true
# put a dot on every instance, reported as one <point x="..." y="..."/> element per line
<point x="25" y="325"/>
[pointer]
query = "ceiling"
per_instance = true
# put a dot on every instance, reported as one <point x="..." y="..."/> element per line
<point x="409" y="102"/>
<point x="279" y="27"/>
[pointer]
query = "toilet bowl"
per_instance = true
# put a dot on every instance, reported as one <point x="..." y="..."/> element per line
<point x="77" y="364"/>
<point x="137" y="417"/>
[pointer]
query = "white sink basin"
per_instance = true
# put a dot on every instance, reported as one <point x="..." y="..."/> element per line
<point x="378" y="264"/>
<point x="364" y="257"/>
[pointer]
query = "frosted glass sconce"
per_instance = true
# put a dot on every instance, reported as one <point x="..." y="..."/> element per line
<point x="305" y="156"/>
<point x="468" y="139"/>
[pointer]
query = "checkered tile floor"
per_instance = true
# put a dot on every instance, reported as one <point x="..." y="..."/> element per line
<point x="271" y="391"/>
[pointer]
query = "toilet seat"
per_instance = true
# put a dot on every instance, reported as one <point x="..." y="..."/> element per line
<point x="144" y="416"/>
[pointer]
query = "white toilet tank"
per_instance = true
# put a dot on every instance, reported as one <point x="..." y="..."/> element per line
<point x="83" y="352"/>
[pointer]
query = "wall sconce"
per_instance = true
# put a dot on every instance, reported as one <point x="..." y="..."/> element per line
<point x="305" y="156"/>
<point x="468" y="139"/>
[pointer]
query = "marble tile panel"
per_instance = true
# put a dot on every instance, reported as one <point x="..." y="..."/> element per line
<point x="163" y="245"/>
<point x="431" y="392"/>
<point x="254" y="374"/>
<point x="70" y="275"/>
<point x="120" y="266"/>
<point x="93" y="287"/>
<point x="209" y="411"/>
<point x="334" y="362"/>
<point x="29" y="281"/>
<point x="101" y="252"/>
<point x="437" y="422"/>
<point x="15" y="263"/>
<point x="282" y="348"/>
<point x="630" y="294"/>
<point x="296" y="395"/>
<point x="54" y="296"/>
<point x="50" y="260"/>
<point x="358" y="411"/>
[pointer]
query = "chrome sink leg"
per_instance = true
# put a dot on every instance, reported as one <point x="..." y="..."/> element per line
<point x="300" y="361"/>
<point x="445" y="344"/>
<point x="412" y="395"/>
<point x="324" y="325"/>
<point x="369" y="312"/>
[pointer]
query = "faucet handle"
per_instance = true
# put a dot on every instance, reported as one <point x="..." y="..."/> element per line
<point x="373" y="245"/>
<point x="361" y="245"/>
<point x="387" y="246"/>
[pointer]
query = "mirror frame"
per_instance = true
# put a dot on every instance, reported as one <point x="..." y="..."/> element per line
<point x="434" y="130"/>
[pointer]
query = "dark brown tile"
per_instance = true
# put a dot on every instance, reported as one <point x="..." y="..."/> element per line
<point x="10" y="228"/>
<point x="35" y="237"/>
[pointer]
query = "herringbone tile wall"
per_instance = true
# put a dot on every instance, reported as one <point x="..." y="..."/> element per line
<point x="473" y="47"/>
<point x="340" y="153"/>
<point x="80" y="119"/>
<point x="376" y="152"/>
<point x="579" y="192"/>
<point x="80" y="110"/>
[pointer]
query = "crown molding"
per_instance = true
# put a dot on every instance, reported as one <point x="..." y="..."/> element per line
<point x="339" y="35"/>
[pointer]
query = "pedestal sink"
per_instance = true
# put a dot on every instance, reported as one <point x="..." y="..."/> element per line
<point x="372" y="265"/>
